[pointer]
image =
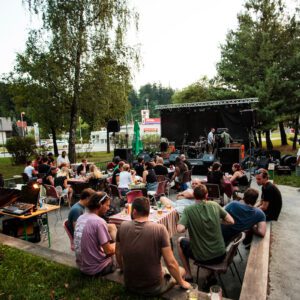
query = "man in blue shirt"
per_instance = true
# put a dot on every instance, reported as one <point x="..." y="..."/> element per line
<point x="78" y="209"/>
<point x="245" y="216"/>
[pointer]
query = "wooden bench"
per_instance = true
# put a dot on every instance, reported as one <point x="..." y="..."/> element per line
<point x="255" y="283"/>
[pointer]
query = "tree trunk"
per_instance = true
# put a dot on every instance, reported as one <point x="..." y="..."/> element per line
<point x="282" y="134"/>
<point x="74" y="106"/>
<point x="296" y="134"/>
<point x="259" y="139"/>
<point x="55" y="148"/>
<point x="255" y="139"/>
<point x="107" y="141"/>
<point x="268" y="140"/>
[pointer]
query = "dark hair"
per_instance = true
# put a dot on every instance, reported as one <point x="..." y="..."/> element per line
<point x="200" y="192"/>
<point x="216" y="166"/>
<point x="83" y="160"/>
<point x="178" y="160"/>
<point x="86" y="193"/>
<point x="250" y="196"/>
<point x="44" y="159"/>
<point x="140" y="159"/>
<point x="116" y="159"/>
<point x="149" y="165"/>
<point x="50" y="154"/>
<point x="141" y="205"/>
<point x="121" y="164"/>
<point x="94" y="201"/>
<point x="28" y="162"/>
<point x="237" y="166"/>
<point x="264" y="173"/>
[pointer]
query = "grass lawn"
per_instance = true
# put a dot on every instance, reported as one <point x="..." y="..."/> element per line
<point x="25" y="276"/>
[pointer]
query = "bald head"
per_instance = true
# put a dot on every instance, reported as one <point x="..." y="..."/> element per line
<point x="195" y="182"/>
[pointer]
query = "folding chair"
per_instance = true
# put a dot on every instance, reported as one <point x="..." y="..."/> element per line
<point x="222" y="267"/>
<point x="214" y="193"/>
<point x="53" y="197"/>
<point x="65" y="224"/>
<point x="116" y="197"/>
<point x="130" y="196"/>
<point x="160" y="191"/>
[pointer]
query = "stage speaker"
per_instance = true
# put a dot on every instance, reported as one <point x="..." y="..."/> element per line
<point x="125" y="154"/>
<point x="208" y="158"/>
<point x="229" y="156"/>
<point x="249" y="118"/>
<point x="113" y="126"/>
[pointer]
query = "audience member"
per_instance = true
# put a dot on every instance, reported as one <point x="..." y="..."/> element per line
<point x="61" y="179"/>
<point x="78" y="209"/>
<point x="30" y="171"/>
<point x="116" y="172"/>
<point x="83" y="168"/>
<point x="239" y="176"/>
<point x="63" y="158"/>
<point x="202" y="219"/>
<point x="140" y="246"/>
<point x="159" y="168"/>
<point x="94" y="246"/>
<point x="124" y="180"/>
<point x="245" y="216"/>
<point x="44" y="167"/>
<point x="95" y="173"/>
<point x="180" y="169"/>
<point x="149" y="177"/>
<point x="139" y="167"/>
<point x="183" y="159"/>
<point x="186" y="197"/>
<point x="51" y="159"/>
<point x="271" y="200"/>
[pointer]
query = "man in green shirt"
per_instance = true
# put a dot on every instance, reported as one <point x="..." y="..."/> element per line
<point x="203" y="221"/>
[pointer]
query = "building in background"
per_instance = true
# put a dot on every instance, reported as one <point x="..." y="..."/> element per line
<point x="5" y="130"/>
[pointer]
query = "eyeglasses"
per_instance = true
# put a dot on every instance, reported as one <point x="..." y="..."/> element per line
<point x="103" y="198"/>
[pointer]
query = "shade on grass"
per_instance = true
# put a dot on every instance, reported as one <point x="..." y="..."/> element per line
<point x="25" y="276"/>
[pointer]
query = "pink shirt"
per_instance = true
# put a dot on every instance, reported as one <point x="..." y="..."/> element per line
<point x="90" y="234"/>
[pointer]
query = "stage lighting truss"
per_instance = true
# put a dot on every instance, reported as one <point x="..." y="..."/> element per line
<point x="207" y="103"/>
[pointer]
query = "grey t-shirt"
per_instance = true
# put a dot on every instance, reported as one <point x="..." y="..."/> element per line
<point x="141" y="244"/>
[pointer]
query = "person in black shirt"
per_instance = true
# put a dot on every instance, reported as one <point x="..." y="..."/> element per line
<point x="271" y="200"/>
<point x="139" y="167"/>
<point x="44" y="167"/>
<point x="159" y="168"/>
<point x="116" y="172"/>
<point x="215" y="175"/>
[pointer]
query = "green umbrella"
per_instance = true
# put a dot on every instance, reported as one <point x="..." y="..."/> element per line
<point x="137" y="145"/>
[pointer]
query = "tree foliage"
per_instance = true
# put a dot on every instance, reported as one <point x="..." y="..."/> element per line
<point x="257" y="59"/>
<point x="84" y="42"/>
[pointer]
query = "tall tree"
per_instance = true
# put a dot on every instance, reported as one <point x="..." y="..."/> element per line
<point x="254" y="55"/>
<point x="82" y="32"/>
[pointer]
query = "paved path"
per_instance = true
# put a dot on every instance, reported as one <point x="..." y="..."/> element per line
<point x="284" y="267"/>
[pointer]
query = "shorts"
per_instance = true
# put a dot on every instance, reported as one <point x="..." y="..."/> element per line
<point x="187" y="252"/>
<point x="110" y="268"/>
<point x="167" y="282"/>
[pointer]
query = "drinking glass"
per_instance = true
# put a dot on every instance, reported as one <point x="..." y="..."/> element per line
<point x="193" y="292"/>
<point x="215" y="292"/>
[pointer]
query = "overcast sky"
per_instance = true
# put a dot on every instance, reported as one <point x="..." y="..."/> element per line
<point x="180" y="39"/>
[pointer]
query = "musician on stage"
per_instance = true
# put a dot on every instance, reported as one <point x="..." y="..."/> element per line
<point x="211" y="140"/>
<point x="226" y="138"/>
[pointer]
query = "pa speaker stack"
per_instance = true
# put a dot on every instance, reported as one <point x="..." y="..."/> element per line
<point x="125" y="154"/>
<point x="229" y="156"/>
<point x="249" y="118"/>
<point x="113" y="126"/>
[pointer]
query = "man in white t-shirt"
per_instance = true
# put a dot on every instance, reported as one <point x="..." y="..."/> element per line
<point x="30" y="171"/>
<point x="211" y="140"/>
<point x="63" y="159"/>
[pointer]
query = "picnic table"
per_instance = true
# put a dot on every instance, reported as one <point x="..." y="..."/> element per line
<point x="169" y="218"/>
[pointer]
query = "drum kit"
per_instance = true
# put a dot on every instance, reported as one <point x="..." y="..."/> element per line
<point x="195" y="149"/>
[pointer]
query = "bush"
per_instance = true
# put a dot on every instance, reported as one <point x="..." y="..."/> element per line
<point x="21" y="148"/>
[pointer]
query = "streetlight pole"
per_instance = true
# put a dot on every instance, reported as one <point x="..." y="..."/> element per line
<point x="22" y="125"/>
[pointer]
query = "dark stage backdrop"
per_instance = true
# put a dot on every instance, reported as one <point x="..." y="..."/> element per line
<point x="196" y="122"/>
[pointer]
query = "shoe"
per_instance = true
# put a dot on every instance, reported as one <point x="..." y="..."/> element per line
<point x="189" y="279"/>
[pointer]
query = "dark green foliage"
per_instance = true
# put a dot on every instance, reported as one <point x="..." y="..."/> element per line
<point x="21" y="148"/>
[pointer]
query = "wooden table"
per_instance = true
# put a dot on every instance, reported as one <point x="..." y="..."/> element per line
<point x="39" y="212"/>
<point x="168" y="218"/>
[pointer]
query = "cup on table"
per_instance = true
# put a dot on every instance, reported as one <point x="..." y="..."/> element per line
<point x="193" y="292"/>
<point x="128" y="208"/>
<point x="226" y="174"/>
<point x="159" y="211"/>
<point x="215" y="292"/>
<point x="168" y="206"/>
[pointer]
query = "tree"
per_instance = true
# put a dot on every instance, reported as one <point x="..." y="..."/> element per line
<point x="254" y="56"/>
<point x="80" y="34"/>
<point x="7" y="105"/>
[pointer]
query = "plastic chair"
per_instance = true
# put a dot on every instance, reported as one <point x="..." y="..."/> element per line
<point x="214" y="193"/>
<point x="130" y="196"/>
<point x="65" y="224"/>
<point x="160" y="191"/>
<point x="222" y="267"/>
<point x="53" y="196"/>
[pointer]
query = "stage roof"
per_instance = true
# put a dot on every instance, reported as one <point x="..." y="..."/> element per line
<point x="207" y="103"/>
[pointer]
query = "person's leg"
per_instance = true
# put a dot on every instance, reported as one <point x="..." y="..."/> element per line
<point x="112" y="230"/>
<point x="183" y="249"/>
<point x="166" y="201"/>
<point x="70" y="195"/>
